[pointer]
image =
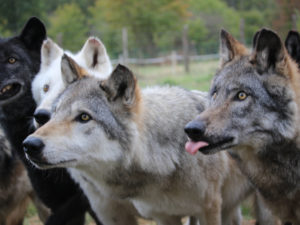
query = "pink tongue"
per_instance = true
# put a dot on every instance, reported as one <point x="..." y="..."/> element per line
<point x="193" y="147"/>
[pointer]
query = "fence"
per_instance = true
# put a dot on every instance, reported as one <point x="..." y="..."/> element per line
<point x="172" y="58"/>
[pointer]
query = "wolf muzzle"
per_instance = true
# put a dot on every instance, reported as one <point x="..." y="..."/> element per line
<point x="41" y="116"/>
<point x="195" y="130"/>
<point x="33" y="147"/>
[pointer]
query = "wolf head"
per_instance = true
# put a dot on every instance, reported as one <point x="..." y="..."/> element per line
<point x="253" y="98"/>
<point x="84" y="119"/>
<point x="19" y="62"/>
<point x="292" y="44"/>
<point x="48" y="83"/>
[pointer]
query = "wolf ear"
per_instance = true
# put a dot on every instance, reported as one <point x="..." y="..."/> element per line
<point x="120" y="85"/>
<point x="95" y="55"/>
<point x="50" y="52"/>
<point x="70" y="70"/>
<point x="33" y="34"/>
<point x="268" y="50"/>
<point x="292" y="44"/>
<point x="230" y="48"/>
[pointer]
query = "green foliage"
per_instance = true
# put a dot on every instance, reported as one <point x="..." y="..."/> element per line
<point x="146" y="21"/>
<point x="68" y="26"/>
<point x="14" y="13"/>
<point x="211" y="16"/>
<point x="154" y="27"/>
<point x="254" y="20"/>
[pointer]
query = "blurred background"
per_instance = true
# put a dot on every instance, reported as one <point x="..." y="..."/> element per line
<point x="158" y="38"/>
<point x="172" y="42"/>
<point x="152" y="28"/>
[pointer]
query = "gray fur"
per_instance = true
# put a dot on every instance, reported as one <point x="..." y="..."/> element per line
<point x="261" y="131"/>
<point x="136" y="156"/>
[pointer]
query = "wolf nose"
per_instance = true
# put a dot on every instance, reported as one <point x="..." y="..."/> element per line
<point x="42" y="116"/>
<point x="33" y="146"/>
<point x="195" y="130"/>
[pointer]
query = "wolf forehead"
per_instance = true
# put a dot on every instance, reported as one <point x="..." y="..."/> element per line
<point x="86" y="95"/>
<point x="85" y="90"/>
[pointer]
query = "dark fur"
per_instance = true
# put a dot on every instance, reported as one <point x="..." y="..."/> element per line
<point x="292" y="44"/>
<point x="54" y="187"/>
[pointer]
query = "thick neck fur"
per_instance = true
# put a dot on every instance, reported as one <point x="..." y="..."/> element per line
<point x="155" y="138"/>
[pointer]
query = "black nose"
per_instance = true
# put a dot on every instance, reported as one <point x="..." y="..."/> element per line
<point x="41" y="116"/>
<point x="195" y="130"/>
<point x="33" y="146"/>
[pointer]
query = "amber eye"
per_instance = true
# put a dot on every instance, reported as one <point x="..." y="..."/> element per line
<point x="11" y="60"/>
<point x="242" y="95"/>
<point x="46" y="88"/>
<point x="84" y="117"/>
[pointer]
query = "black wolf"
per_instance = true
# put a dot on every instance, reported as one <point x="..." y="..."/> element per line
<point x="19" y="62"/>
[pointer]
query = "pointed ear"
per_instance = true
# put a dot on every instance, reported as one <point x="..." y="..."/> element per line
<point x="268" y="51"/>
<point x="230" y="48"/>
<point x="121" y="85"/>
<point x="95" y="55"/>
<point x="292" y="44"/>
<point x="50" y="52"/>
<point x="70" y="70"/>
<point x="33" y="34"/>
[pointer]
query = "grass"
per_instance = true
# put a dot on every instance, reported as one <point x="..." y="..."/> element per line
<point x="199" y="78"/>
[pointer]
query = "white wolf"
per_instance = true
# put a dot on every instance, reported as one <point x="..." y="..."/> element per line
<point x="48" y="83"/>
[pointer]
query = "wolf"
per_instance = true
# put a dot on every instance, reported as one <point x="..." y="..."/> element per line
<point x="48" y="84"/>
<point x="127" y="147"/>
<point x="19" y="63"/>
<point x="292" y="44"/>
<point x="15" y="187"/>
<point x="253" y="113"/>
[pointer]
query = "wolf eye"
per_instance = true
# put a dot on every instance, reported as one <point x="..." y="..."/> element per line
<point x="242" y="95"/>
<point x="46" y="88"/>
<point x="84" y="117"/>
<point x="12" y="60"/>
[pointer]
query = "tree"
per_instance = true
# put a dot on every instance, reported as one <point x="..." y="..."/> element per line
<point x="209" y="17"/>
<point x="15" y="13"/>
<point x="68" y="26"/>
<point x="146" y="21"/>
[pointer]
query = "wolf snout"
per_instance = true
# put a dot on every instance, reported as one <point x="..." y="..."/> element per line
<point x="195" y="130"/>
<point x="42" y="116"/>
<point x="33" y="146"/>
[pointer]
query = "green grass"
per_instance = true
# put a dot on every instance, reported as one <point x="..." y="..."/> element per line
<point x="199" y="77"/>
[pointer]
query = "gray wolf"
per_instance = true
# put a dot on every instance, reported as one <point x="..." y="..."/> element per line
<point x="292" y="44"/>
<point x="20" y="62"/>
<point x="48" y="83"/>
<point x="253" y="113"/>
<point x="127" y="147"/>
